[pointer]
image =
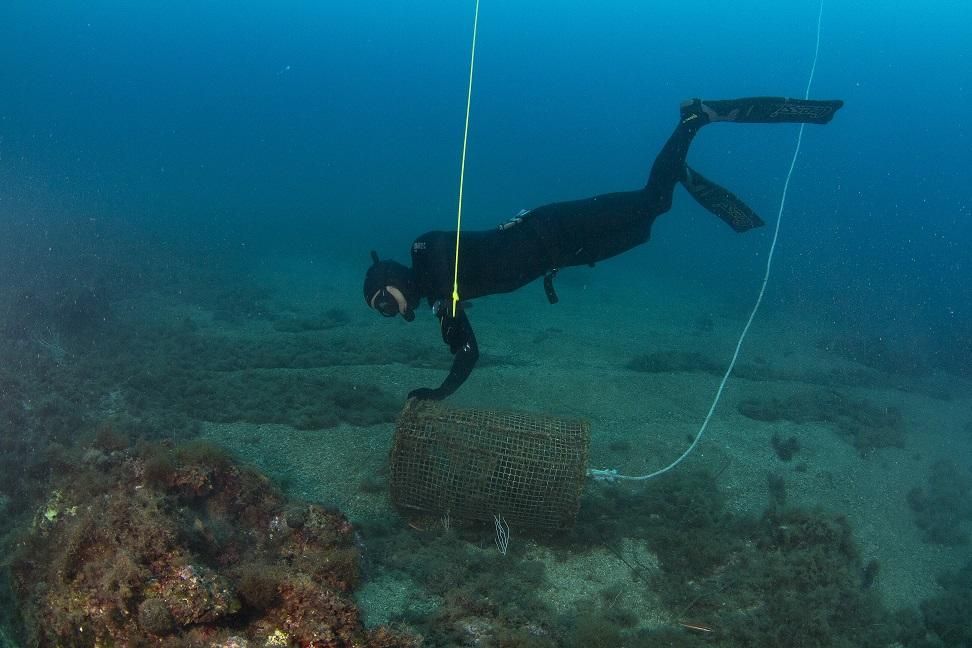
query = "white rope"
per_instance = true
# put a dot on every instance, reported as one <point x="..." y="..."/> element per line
<point x="611" y="475"/>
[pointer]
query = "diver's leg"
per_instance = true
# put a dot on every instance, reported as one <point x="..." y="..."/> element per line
<point x="696" y="113"/>
<point x="763" y="110"/>
<point x="669" y="166"/>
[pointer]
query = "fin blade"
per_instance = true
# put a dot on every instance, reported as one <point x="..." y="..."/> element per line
<point x="718" y="200"/>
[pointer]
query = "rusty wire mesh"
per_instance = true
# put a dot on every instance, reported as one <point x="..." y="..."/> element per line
<point x="476" y="463"/>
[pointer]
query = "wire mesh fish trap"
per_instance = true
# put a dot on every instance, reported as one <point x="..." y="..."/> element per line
<point x="476" y="463"/>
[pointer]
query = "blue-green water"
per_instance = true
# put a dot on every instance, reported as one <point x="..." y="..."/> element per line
<point x="218" y="172"/>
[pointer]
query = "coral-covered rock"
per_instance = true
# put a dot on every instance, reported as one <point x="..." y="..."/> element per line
<point x="185" y="548"/>
<point x="194" y="595"/>
<point x="154" y="617"/>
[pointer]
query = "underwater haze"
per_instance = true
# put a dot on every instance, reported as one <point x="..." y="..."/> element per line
<point x="189" y="193"/>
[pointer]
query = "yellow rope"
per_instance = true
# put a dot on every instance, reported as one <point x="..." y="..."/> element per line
<point x="462" y="168"/>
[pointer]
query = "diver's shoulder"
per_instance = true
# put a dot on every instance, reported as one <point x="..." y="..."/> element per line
<point x="432" y="240"/>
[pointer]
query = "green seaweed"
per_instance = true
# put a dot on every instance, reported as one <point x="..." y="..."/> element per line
<point x="864" y="425"/>
<point x="945" y="616"/>
<point x="943" y="506"/>
<point x="791" y="577"/>
<point x="784" y="448"/>
<point x="674" y="362"/>
<point x="329" y="319"/>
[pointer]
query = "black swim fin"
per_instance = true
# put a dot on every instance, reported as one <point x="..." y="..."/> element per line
<point x="720" y="201"/>
<point x="763" y="110"/>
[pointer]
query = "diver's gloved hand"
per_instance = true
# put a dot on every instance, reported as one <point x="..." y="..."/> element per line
<point x="424" y="393"/>
<point x="453" y="332"/>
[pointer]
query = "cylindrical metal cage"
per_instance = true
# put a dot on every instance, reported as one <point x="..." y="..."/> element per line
<point x="474" y="464"/>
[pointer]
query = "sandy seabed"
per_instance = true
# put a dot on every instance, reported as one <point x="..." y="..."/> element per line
<point x="570" y="360"/>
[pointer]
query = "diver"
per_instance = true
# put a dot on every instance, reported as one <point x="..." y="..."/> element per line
<point x="539" y="242"/>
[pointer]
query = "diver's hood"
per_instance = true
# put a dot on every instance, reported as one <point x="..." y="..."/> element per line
<point x="391" y="273"/>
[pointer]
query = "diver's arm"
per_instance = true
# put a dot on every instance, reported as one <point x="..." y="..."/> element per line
<point x="458" y="334"/>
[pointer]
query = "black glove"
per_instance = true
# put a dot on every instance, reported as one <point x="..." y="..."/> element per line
<point x="453" y="333"/>
<point x="424" y="393"/>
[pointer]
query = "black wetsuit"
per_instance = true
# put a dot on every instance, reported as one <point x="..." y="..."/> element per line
<point x="537" y="244"/>
<point x="581" y="232"/>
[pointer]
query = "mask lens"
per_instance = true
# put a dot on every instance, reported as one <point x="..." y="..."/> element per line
<point x="386" y="304"/>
